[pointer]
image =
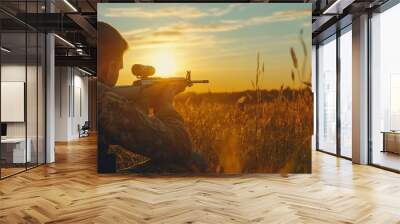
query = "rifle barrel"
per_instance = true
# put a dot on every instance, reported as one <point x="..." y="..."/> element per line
<point x="199" y="81"/>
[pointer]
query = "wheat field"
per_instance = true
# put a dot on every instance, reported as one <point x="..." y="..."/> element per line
<point x="251" y="131"/>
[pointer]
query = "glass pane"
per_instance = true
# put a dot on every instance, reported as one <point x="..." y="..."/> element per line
<point x="346" y="94"/>
<point x="386" y="89"/>
<point x="13" y="86"/>
<point x="314" y="88"/>
<point x="327" y="96"/>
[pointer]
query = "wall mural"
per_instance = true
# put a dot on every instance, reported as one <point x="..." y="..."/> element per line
<point x="204" y="88"/>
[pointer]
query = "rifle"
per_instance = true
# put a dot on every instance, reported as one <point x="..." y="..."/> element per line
<point x="143" y="74"/>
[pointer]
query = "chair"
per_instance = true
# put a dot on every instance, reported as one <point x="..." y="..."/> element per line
<point x="84" y="130"/>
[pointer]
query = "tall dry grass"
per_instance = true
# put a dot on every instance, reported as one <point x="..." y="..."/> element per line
<point x="255" y="130"/>
<point x="224" y="132"/>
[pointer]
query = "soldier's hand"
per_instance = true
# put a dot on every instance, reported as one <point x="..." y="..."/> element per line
<point x="173" y="89"/>
<point x="161" y="95"/>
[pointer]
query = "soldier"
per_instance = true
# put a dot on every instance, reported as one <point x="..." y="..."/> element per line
<point x="123" y="121"/>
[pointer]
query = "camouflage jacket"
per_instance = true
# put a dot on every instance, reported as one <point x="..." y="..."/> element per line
<point x="161" y="138"/>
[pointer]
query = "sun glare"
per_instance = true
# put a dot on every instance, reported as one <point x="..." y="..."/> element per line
<point x="165" y="63"/>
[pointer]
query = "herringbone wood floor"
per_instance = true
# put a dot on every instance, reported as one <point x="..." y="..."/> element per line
<point x="70" y="191"/>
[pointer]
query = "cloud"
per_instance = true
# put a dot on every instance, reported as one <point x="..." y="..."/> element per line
<point x="164" y="41"/>
<point x="137" y="31"/>
<point x="280" y="16"/>
<point x="180" y="12"/>
<point x="229" y="25"/>
<point x="176" y="34"/>
<point x="194" y="32"/>
<point x="183" y="12"/>
<point x="201" y="28"/>
<point x="223" y="11"/>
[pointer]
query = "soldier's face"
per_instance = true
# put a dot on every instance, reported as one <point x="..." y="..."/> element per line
<point x="120" y="63"/>
<point x="113" y="71"/>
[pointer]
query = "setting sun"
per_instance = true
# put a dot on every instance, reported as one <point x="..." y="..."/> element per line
<point x="165" y="63"/>
<point x="222" y="48"/>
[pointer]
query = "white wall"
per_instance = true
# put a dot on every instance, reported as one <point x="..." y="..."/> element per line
<point x="71" y="102"/>
<point x="61" y="103"/>
<point x="80" y="111"/>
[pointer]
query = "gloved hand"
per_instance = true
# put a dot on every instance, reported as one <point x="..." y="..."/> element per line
<point x="160" y="96"/>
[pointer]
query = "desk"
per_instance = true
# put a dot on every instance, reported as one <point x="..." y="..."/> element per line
<point x="391" y="141"/>
<point x="13" y="150"/>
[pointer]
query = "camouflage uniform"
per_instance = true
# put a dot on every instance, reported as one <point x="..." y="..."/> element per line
<point x="161" y="138"/>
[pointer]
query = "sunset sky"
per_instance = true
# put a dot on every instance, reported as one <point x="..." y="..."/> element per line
<point x="216" y="41"/>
